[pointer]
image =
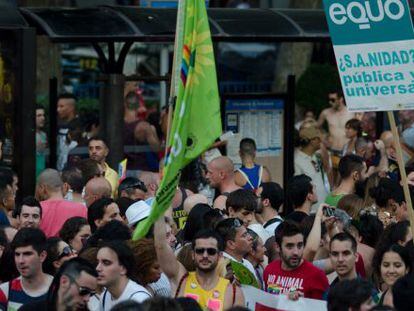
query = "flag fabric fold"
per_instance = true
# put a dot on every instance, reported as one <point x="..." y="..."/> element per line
<point x="196" y="121"/>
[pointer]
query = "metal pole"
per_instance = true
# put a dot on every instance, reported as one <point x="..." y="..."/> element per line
<point x="112" y="117"/>
<point x="164" y="67"/>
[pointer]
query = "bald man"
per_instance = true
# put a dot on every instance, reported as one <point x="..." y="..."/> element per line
<point x="97" y="188"/>
<point x="192" y="200"/>
<point x="220" y="175"/>
<point x="55" y="209"/>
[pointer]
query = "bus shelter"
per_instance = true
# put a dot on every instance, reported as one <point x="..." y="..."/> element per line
<point x="105" y="26"/>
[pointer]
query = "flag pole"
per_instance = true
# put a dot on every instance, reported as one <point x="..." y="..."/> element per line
<point x="175" y="76"/>
<point x="402" y="169"/>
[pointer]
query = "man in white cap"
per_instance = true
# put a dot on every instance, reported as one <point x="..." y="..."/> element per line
<point x="137" y="212"/>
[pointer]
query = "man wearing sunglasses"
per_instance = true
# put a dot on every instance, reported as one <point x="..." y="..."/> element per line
<point x="336" y="117"/>
<point x="204" y="285"/>
<point x="73" y="287"/>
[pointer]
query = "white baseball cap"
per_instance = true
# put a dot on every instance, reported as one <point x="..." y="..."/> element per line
<point x="137" y="212"/>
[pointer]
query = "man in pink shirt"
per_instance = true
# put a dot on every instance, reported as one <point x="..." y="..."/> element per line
<point x="55" y="209"/>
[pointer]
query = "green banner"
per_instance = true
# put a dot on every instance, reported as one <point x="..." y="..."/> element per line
<point x="196" y="121"/>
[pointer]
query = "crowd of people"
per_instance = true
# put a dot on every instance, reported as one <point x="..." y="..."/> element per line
<point x="338" y="231"/>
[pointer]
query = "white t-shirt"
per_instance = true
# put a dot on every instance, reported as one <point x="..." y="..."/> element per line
<point x="132" y="291"/>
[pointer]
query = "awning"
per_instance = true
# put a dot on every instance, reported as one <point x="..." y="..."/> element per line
<point x="126" y="23"/>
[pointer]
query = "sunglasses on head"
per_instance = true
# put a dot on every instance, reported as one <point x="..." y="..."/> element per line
<point x="236" y="223"/>
<point x="137" y="185"/>
<point x="67" y="251"/>
<point x="210" y="251"/>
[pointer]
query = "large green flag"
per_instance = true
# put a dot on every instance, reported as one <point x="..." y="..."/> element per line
<point x="196" y="121"/>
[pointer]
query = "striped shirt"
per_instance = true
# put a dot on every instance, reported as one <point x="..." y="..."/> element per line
<point x="13" y="295"/>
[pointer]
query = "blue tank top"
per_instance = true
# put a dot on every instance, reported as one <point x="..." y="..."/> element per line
<point x="253" y="176"/>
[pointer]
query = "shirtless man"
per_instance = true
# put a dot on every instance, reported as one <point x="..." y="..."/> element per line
<point x="220" y="175"/>
<point x="336" y="116"/>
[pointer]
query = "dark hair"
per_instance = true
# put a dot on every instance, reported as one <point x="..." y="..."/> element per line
<point x="3" y="239"/>
<point x="307" y="224"/>
<point x="129" y="305"/>
<point x="337" y="91"/>
<point x="386" y="190"/>
<point x="402" y="251"/>
<point x="98" y="138"/>
<point x="123" y="204"/>
<point x="129" y="184"/>
<point x="29" y="237"/>
<point x="350" y="163"/>
<point x="113" y="230"/>
<point x="298" y="188"/>
<point x="160" y="303"/>
<point x="89" y="169"/>
<point x="195" y="220"/>
<point x="66" y="96"/>
<point x="403" y="293"/>
<point x="124" y="254"/>
<point x="188" y="304"/>
<point x="274" y="193"/>
<point x="72" y="269"/>
<point x="212" y="217"/>
<point x="370" y="229"/>
<point x="342" y="237"/>
<point x="4" y="187"/>
<point x="97" y="211"/>
<point x="255" y="238"/>
<point x="247" y="146"/>
<point x="73" y="177"/>
<point x="29" y="201"/>
<point x="354" y="124"/>
<point x="52" y="249"/>
<point x="287" y="228"/>
<point x="349" y="294"/>
<point x="71" y="227"/>
<point x="242" y="199"/>
<point x="206" y="234"/>
<point x="6" y="175"/>
<point x="395" y="232"/>
<point x="227" y="228"/>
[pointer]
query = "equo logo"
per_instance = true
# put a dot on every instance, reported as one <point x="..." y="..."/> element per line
<point x="365" y="13"/>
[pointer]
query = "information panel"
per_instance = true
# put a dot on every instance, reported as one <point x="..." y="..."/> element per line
<point x="259" y="119"/>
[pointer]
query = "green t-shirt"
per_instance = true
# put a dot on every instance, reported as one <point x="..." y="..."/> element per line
<point x="333" y="199"/>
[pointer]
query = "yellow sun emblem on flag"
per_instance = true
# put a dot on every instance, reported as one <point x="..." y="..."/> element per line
<point x="199" y="41"/>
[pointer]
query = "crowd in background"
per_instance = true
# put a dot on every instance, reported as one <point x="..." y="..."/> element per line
<point x="338" y="231"/>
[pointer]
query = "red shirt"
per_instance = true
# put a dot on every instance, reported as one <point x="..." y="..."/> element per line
<point x="56" y="212"/>
<point x="306" y="278"/>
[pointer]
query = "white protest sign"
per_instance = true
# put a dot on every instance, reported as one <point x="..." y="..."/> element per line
<point x="374" y="49"/>
<point x="259" y="300"/>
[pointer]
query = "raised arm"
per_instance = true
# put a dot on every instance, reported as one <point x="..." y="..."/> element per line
<point x="166" y="257"/>
<point x="314" y="237"/>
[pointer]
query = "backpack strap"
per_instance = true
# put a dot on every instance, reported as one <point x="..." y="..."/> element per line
<point x="271" y="221"/>
<point x="180" y="284"/>
<point x="233" y="287"/>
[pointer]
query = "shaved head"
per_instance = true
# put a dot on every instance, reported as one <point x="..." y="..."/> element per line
<point x="223" y="164"/>
<point x="50" y="178"/>
<point x="192" y="200"/>
<point x="97" y="188"/>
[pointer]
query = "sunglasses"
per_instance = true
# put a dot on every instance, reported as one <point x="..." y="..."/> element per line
<point x="83" y="291"/>
<point x="67" y="251"/>
<point x="210" y="251"/>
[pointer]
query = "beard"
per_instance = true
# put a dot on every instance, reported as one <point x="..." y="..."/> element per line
<point x="206" y="269"/>
<point x="292" y="261"/>
<point x="360" y="187"/>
